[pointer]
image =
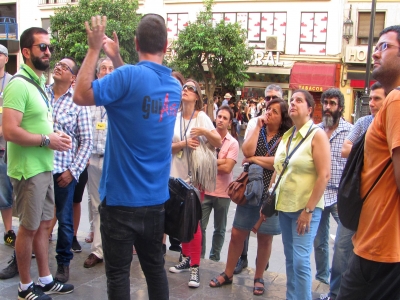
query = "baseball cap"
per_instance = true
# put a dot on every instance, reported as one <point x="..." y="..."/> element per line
<point x="3" y="50"/>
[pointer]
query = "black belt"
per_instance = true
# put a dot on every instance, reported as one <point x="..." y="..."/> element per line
<point x="99" y="155"/>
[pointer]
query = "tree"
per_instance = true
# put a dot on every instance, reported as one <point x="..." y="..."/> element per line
<point x="69" y="34"/>
<point x="212" y="54"/>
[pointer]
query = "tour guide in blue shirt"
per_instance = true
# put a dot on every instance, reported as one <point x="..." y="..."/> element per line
<point x="141" y="103"/>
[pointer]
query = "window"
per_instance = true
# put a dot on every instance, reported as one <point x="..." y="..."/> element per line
<point x="175" y="23"/>
<point x="313" y="33"/>
<point x="259" y="25"/>
<point x="364" y="19"/>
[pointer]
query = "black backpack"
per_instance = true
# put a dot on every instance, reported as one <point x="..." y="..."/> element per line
<point x="349" y="201"/>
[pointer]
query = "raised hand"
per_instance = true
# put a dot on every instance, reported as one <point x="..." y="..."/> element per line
<point x="97" y="33"/>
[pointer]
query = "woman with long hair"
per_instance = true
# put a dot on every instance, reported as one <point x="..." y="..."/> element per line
<point x="305" y="150"/>
<point x="192" y="127"/>
<point x="259" y="148"/>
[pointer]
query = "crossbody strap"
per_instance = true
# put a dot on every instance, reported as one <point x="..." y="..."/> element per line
<point x="377" y="179"/>
<point x="32" y="82"/>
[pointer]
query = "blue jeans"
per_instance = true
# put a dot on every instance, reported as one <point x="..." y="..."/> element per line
<point x="221" y="208"/>
<point x="63" y="200"/>
<point x="6" y="200"/>
<point x="341" y="253"/>
<point x="321" y="243"/>
<point x="297" y="250"/>
<point x="122" y="227"/>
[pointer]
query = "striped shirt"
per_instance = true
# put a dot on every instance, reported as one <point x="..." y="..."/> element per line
<point x="75" y="121"/>
<point x="337" y="161"/>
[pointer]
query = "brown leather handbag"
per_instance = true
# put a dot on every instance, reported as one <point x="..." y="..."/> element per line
<point x="237" y="188"/>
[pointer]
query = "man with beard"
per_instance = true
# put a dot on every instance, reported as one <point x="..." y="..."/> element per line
<point x="374" y="266"/>
<point x="28" y="128"/>
<point x="336" y="128"/>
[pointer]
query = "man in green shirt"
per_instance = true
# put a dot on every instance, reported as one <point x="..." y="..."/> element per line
<point x="28" y="128"/>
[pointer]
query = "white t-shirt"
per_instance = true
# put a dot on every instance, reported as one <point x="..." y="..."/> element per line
<point x="179" y="166"/>
<point x="250" y="126"/>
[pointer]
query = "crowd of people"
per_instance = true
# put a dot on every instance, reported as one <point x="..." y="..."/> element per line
<point x="78" y="131"/>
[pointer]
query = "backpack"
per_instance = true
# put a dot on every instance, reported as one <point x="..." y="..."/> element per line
<point x="349" y="201"/>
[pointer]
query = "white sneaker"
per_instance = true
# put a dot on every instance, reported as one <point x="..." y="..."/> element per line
<point x="184" y="265"/>
<point x="194" y="280"/>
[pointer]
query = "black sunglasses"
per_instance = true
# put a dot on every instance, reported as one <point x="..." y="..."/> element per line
<point x="191" y="88"/>
<point x="268" y="98"/>
<point x="43" y="47"/>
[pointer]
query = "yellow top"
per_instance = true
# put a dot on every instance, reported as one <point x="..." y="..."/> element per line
<point x="298" y="180"/>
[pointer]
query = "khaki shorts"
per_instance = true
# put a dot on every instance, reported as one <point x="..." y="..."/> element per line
<point x="34" y="199"/>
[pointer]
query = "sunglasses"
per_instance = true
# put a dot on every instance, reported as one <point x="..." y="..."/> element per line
<point x="63" y="67"/>
<point x="191" y="88"/>
<point x="43" y="47"/>
<point x="268" y="98"/>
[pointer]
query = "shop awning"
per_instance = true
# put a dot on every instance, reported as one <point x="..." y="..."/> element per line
<point x="313" y="77"/>
<point x="360" y="84"/>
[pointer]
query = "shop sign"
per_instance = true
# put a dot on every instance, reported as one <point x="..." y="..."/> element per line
<point x="356" y="54"/>
<point x="266" y="58"/>
<point x="311" y="88"/>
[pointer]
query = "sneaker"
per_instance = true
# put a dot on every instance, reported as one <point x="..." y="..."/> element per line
<point x="75" y="245"/>
<point x="184" y="265"/>
<point x="56" y="287"/>
<point x="33" y="292"/>
<point x="194" y="280"/>
<point x="9" y="238"/>
<point x="324" y="297"/>
<point x="62" y="274"/>
<point x="241" y="264"/>
<point x="11" y="270"/>
<point x="92" y="260"/>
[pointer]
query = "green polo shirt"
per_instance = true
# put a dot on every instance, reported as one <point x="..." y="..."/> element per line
<point x="23" y="96"/>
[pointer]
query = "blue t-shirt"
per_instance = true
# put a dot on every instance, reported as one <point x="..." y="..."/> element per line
<point x="141" y="103"/>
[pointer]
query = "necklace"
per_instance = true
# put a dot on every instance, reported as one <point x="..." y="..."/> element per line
<point x="272" y="134"/>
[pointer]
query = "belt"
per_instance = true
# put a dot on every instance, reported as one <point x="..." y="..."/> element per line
<point x="99" y="155"/>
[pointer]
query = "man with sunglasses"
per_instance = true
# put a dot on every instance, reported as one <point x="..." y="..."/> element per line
<point x="75" y="121"/>
<point x="137" y="160"/>
<point x="336" y="129"/>
<point x="28" y="128"/>
<point x="272" y="91"/>
<point x="374" y="266"/>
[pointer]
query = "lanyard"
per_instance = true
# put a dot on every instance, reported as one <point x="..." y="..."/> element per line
<point x="186" y="129"/>
<point x="103" y="114"/>
<point x="44" y="99"/>
<point x="298" y="145"/>
<point x="4" y="80"/>
<point x="263" y="130"/>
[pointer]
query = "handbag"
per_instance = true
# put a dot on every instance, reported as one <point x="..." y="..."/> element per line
<point x="349" y="201"/>
<point x="183" y="209"/>
<point x="237" y="187"/>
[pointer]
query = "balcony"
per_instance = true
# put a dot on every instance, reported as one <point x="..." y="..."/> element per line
<point x="9" y="34"/>
<point x="41" y="2"/>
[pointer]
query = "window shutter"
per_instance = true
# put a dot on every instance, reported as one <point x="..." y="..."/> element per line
<point x="364" y="23"/>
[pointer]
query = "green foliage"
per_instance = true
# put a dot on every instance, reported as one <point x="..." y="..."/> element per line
<point x="69" y="34"/>
<point x="221" y="48"/>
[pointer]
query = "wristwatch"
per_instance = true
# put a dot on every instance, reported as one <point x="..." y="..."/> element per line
<point x="45" y="141"/>
<point x="309" y="211"/>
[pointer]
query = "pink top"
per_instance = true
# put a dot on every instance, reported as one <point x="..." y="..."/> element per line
<point x="229" y="149"/>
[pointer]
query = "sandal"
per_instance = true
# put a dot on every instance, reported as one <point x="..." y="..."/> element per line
<point x="89" y="238"/>
<point x="219" y="284"/>
<point x="258" y="289"/>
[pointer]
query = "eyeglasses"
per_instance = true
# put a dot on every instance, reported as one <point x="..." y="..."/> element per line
<point x="383" y="46"/>
<point x="63" y="67"/>
<point x="268" y="98"/>
<point x="43" y="47"/>
<point x="191" y="88"/>
<point x="331" y="103"/>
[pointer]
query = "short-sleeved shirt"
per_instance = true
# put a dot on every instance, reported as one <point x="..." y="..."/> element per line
<point x="20" y="95"/>
<point x="378" y="234"/>
<point x="297" y="183"/>
<point x="99" y="126"/>
<point x="229" y="149"/>
<point x="179" y="166"/>
<point x="336" y="141"/>
<point x="3" y="83"/>
<point x="359" y="128"/>
<point x="141" y="103"/>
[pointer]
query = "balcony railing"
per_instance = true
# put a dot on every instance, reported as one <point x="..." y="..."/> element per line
<point x="57" y="1"/>
<point x="8" y="28"/>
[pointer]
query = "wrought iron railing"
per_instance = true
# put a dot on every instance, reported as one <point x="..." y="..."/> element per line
<point x="8" y="28"/>
<point x="57" y="1"/>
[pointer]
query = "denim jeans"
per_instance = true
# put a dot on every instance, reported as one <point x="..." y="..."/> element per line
<point x="122" y="227"/>
<point x="321" y="243"/>
<point x="341" y="253"/>
<point x="63" y="198"/>
<point x="6" y="200"/>
<point x="297" y="250"/>
<point x="221" y="208"/>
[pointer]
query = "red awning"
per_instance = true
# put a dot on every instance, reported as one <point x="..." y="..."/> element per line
<point x="312" y="77"/>
<point x="360" y="84"/>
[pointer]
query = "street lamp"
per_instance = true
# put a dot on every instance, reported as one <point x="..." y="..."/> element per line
<point x="348" y="28"/>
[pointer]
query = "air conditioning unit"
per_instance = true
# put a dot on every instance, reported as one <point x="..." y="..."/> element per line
<point x="274" y="43"/>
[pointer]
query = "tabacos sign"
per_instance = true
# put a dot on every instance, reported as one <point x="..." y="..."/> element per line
<point x="311" y="88"/>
